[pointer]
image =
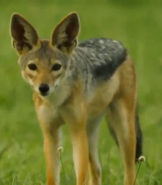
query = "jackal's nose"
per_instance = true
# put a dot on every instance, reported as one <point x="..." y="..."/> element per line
<point x="43" y="88"/>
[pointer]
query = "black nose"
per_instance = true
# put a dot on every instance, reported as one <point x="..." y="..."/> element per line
<point x="43" y="88"/>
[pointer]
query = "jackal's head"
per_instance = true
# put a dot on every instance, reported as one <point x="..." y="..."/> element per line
<point x="44" y="62"/>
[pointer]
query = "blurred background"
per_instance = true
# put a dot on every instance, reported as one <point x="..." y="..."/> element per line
<point x="138" y="25"/>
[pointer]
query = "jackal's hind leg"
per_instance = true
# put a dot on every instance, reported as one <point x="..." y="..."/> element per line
<point x="122" y="124"/>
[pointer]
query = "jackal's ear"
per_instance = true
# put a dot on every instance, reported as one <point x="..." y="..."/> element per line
<point x="24" y="36"/>
<point x="64" y="37"/>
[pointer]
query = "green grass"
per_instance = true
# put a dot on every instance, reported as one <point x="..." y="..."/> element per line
<point x="139" y="27"/>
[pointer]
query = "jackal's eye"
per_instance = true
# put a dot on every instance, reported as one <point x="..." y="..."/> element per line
<point x="56" y="67"/>
<point x="32" y="67"/>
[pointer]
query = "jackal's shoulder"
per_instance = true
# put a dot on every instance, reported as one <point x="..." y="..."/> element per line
<point x="104" y="48"/>
<point x="102" y="55"/>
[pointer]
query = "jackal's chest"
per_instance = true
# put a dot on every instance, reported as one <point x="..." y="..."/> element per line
<point x="47" y="115"/>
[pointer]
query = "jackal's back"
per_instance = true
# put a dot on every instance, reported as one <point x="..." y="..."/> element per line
<point x="97" y="59"/>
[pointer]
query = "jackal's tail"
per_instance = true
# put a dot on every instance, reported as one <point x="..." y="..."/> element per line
<point x="138" y="138"/>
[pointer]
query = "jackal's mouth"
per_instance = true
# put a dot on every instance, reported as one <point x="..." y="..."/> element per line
<point x="44" y="94"/>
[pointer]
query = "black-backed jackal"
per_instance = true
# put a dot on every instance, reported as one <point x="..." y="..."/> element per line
<point x="77" y="84"/>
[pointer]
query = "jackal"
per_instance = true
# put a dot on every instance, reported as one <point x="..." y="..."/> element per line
<point x="78" y="83"/>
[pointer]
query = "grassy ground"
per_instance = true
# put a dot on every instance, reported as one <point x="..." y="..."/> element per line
<point x="139" y="27"/>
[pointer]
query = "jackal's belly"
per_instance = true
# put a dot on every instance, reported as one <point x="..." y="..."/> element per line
<point x="102" y="96"/>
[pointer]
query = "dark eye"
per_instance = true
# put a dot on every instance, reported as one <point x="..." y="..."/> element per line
<point x="56" y="67"/>
<point x="32" y="67"/>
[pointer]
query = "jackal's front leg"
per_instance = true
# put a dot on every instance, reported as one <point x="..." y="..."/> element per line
<point x="51" y="144"/>
<point x="80" y="154"/>
<point x="77" y="129"/>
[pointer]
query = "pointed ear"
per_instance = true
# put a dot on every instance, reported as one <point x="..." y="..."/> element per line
<point x="64" y="37"/>
<point x="24" y="36"/>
